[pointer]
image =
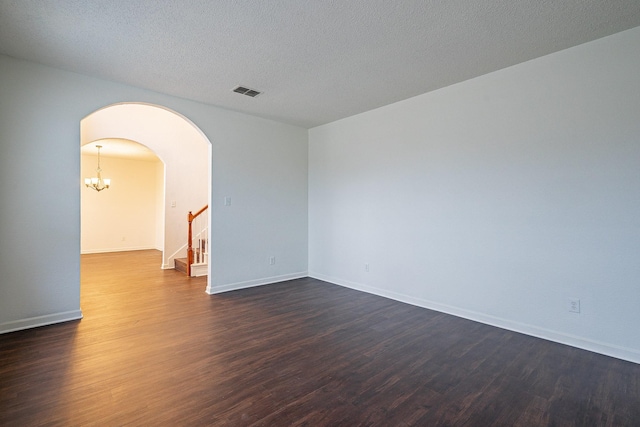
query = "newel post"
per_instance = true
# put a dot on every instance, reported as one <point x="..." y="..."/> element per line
<point x="190" y="217"/>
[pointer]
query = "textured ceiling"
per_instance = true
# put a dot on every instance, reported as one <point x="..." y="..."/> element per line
<point x="315" y="61"/>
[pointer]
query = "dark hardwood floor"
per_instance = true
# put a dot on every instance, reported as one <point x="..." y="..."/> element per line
<point x="155" y="350"/>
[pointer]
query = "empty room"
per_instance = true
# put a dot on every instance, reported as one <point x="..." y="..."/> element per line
<point x="320" y="213"/>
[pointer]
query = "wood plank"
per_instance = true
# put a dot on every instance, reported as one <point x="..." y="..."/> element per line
<point x="180" y="264"/>
<point x="155" y="349"/>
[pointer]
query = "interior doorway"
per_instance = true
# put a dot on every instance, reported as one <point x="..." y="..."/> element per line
<point x="173" y="164"/>
<point x="124" y="212"/>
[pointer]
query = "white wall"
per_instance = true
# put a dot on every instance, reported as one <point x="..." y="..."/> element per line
<point x="260" y="163"/>
<point x="159" y="207"/>
<point x="496" y="199"/>
<point x="123" y="217"/>
<point x="184" y="151"/>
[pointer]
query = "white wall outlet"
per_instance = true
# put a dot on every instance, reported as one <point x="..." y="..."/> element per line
<point x="227" y="201"/>
<point x="574" y="305"/>
<point x="173" y="204"/>
<point x="272" y="260"/>
<point x="366" y="267"/>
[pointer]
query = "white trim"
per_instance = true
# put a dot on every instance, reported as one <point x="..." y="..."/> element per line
<point x="200" y="269"/>
<point x="34" y="322"/>
<point x="624" y="353"/>
<point x="211" y="290"/>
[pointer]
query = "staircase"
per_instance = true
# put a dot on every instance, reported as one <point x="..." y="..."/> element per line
<point x="181" y="264"/>
<point x="197" y="261"/>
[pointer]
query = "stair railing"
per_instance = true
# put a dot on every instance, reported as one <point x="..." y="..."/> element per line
<point x="200" y="253"/>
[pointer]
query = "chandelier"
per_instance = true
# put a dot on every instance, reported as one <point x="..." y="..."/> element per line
<point x="98" y="183"/>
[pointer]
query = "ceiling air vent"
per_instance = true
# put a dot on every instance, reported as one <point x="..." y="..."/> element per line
<point x="246" y="91"/>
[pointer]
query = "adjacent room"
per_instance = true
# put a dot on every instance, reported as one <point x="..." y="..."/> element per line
<point x="418" y="213"/>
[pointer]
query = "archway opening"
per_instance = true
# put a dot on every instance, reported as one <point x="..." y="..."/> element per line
<point x="180" y="178"/>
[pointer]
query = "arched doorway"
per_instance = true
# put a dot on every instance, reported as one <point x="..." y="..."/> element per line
<point x="184" y="151"/>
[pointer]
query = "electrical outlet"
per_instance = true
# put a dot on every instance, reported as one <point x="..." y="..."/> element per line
<point x="574" y="305"/>
<point x="272" y="260"/>
<point x="227" y="201"/>
<point x="366" y="268"/>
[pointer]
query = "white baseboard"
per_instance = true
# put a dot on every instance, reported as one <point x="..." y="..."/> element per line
<point x="34" y="322"/>
<point x="211" y="290"/>
<point x="607" y="349"/>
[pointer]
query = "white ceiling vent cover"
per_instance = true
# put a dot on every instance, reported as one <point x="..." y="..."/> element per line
<point x="246" y="91"/>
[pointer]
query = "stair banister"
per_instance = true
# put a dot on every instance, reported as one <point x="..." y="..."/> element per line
<point x="190" y="218"/>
